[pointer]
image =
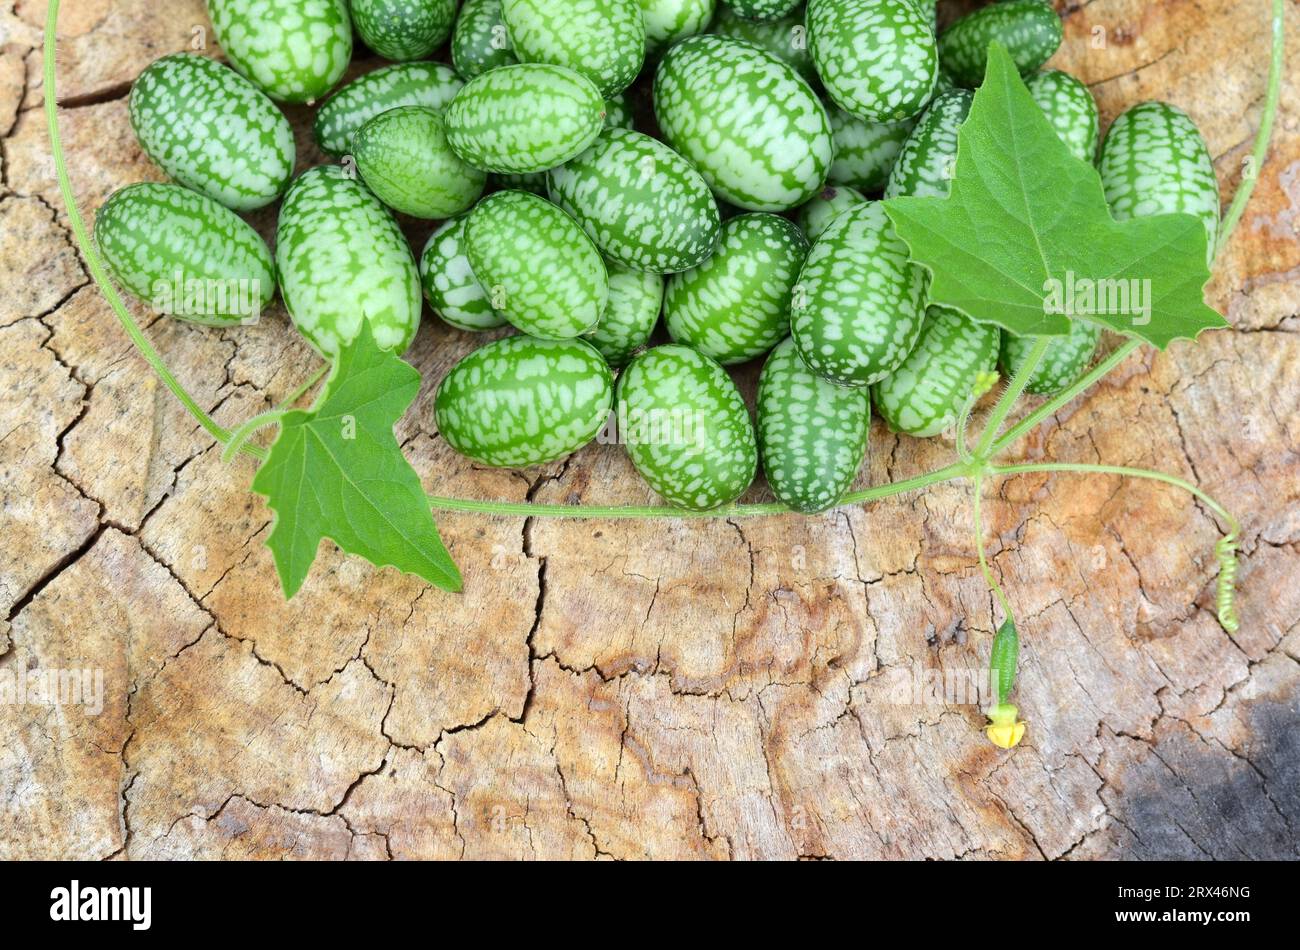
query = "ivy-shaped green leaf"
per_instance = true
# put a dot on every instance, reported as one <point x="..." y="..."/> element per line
<point x="1025" y="239"/>
<point x="336" y="471"/>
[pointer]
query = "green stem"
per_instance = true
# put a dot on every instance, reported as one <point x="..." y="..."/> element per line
<point x="1234" y="527"/>
<point x="994" y="586"/>
<point x="302" y="390"/>
<point x="1018" y="383"/>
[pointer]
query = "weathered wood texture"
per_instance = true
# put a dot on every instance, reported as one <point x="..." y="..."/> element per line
<point x="699" y="689"/>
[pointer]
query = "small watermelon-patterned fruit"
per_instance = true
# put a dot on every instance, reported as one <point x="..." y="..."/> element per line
<point x="480" y="40"/>
<point x="641" y="202"/>
<point x="749" y="123"/>
<point x="342" y="259"/>
<point x="926" y="164"/>
<point x="212" y="130"/>
<point x="602" y="39"/>
<point x="816" y="215"/>
<point x="519" y="401"/>
<point x="1070" y="108"/>
<point x="1064" y="362"/>
<point x="736" y="305"/>
<point x="865" y="152"/>
<point x="857" y="309"/>
<point x="618" y="114"/>
<point x="404" y="158"/>
<point x="449" y="282"/>
<point x="925" y="395"/>
<point x="877" y="58"/>
<point x="812" y="434"/>
<point x="403" y="29"/>
<point x="785" y="38"/>
<point x="762" y="9"/>
<point x="406" y="84"/>
<point x="540" y="270"/>
<point x="1029" y="29"/>
<point x="1154" y="161"/>
<point x="162" y="242"/>
<point x="524" y="118"/>
<point x="667" y="21"/>
<point x="686" y="428"/>
<point x="630" y="316"/>
<point x="295" y="52"/>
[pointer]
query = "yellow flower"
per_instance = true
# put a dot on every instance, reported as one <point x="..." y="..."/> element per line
<point x="1005" y="730"/>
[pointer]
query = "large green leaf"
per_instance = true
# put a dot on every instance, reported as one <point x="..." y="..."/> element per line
<point x="336" y="471"/>
<point x="1024" y="213"/>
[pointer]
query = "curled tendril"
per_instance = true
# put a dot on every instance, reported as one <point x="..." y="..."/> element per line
<point x="1226" y="552"/>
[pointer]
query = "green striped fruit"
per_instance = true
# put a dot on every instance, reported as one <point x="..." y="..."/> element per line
<point x="815" y="216"/>
<point x="927" y="393"/>
<point x="295" y="52"/>
<point x="641" y="202"/>
<point x="162" y="242"/>
<point x="877" y="58"/>
<point x="1064" y="362"/>
<point x="540" y="270"/>
<point x="762" y="9"/>
<point x="1070" y="108"/>
<point x="212" y="130"/>
<point x="602" y="39"/>
<point x="736" y="305"/>
<point x="342" y="259"/>
<point x="812" y="434"/>
<point x="403" y="29"/>
<point x="635" y="299"/>
<point x="480" y="40"/>
<point x="524" y="118"/>
<point x="618" y="114"/>
<point x="749" y="123"/>
<point x="667" y="21"/>
<point x="858" y="306"/>
<point x="449" y="283"/>
<point x="403" y="157"/>
<point x="519" y="401"/>
<point x="926" y="163"/>
<point x="406" y="84"/>
<point x="1029" y="29"/>
<point x="686" y="428"/>
<point x="865" y="152"/>
<point x="784" y="38"/>
<point x="1154" y="161"/>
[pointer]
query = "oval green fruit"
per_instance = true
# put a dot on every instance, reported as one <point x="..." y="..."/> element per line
<point x="342" y="259"/>
<point x="1154" y="161"/>
<point x="405" y="84"/>
<point x="524" y="118"/>
<point x="857" y="309"/>
<point x="539" y="269"/>
<point x="812" y="434"/>
<point x="1070" y="108"/>
<point x="212" y="130"/>
<point x="519" y="401"/>
<point x="184" y="254"/>
<point x="602" y="39"/>
<point x="755" y="130"/>
<point x="877" y="58"/>
<point x="449" y="283"/>
<point x="667" y="21"/>
<point x="480" y="40"/>
<point x="925" y="395"/>
<point x="686" y="428"/>
<point x="815" y="216"/>
<point x="927" y="161"/>
<point x="643" y="204"/>
<point x="1064" y="362"/>
<point x="635" y="299"/>
<point x="404" y="158"/>
<point x="736" y="305"/>
<point x="865" y="152"/>
<point x="294" y="51"/>
<point x="403" y="29"/>
<point x="1029" y="29"/>
<point x="785" y="38"/>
